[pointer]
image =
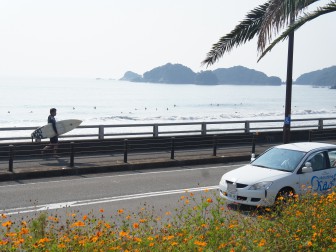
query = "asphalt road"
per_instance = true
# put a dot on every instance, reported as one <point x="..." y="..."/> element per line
<point x="160" y="189"/>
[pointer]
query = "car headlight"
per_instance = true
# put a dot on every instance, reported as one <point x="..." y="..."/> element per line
<point x="261" y="186"/>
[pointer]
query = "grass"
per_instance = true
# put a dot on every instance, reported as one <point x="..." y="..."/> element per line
<point x="302" y="224"/>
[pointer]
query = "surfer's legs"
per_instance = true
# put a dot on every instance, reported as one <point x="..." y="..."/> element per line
<point x="53" y="145"/>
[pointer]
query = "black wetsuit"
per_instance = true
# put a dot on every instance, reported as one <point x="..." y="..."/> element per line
<point x="52" y="120"/>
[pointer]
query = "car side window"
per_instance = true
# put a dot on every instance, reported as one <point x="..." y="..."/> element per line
<point x="318" y="162"/>
<point x="332" y="158"/>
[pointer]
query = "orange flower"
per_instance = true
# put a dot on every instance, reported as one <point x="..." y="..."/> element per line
<point x="101" y="210"/>
<point x="201" y="244"/>
<point x="85" y="217"/>
<point x="262" y="243"/>
<point x="123" y="233"/>
<point x="78" y="224"/>
<point x="3" y="216"/>
<point x="135" y="225"/>
<point x="61" y="246"/>
<point x="209" y="200"/>
<point x="7" y="224"/>
<point x="120" y="211"/>
<point x="168" y="213"/>
<point x="24" y="230"/>
<point x="11" y="234"/>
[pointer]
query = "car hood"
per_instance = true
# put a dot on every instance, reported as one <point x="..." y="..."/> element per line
<point x="250" y="175"/>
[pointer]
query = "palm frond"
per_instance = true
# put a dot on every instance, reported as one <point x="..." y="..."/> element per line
<point x="330" y="7"/>
<point x="277" y="16"/>
<point x="243" y="32"/>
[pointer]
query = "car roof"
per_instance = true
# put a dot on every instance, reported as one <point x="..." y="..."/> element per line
<point x="305" y="146"/>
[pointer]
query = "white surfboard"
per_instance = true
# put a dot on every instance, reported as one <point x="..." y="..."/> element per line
<point x="62" y="127"/>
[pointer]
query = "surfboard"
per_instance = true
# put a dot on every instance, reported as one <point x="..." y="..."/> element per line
<point x="62" y="127"/>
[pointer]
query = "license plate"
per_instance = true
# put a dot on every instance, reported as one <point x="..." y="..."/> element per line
<point x="232" y="191"/>
<point x="232" y="196"/>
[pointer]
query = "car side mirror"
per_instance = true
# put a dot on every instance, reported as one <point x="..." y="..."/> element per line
<point x="307" y="168"/>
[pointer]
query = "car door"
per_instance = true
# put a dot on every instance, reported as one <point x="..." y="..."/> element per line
<point x="323" y="177"/>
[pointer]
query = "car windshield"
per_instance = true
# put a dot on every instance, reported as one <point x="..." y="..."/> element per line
<point x="279" y="159"/>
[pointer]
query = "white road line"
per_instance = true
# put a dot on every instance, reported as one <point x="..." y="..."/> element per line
<point x="124" y="175"/>
<point x="53" y="206"/>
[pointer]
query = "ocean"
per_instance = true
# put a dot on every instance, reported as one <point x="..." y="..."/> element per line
<point x="26" y="102"/>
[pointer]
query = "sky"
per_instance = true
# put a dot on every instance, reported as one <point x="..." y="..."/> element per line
<point x="106" y="38"/>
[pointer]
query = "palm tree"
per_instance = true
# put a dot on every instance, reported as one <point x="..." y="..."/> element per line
<point x="330" y="7"/>
<point x="264" y="21"/>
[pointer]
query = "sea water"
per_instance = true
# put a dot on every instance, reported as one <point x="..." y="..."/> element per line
<point x="26" y="102"/>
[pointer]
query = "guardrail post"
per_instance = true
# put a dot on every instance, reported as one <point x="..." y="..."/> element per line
<point x="101" y="132"/>
<point x="11" y="158"/>
<point x="253" y="146"/>
<point x="125" y="150"/>
<point x="155" y="130"/>
<point x="247" y="127"/>
<point x="320" y="124"/>
<point x="214" y="152"/>
<point x="172" y="151"/>
<point x="204" y="128"/>
<point x="72" y="154"/>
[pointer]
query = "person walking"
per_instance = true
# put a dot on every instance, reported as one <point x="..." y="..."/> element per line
<point x="53" y="140"/>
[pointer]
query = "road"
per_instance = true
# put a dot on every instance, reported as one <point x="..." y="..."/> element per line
<point x="131" y="190"/>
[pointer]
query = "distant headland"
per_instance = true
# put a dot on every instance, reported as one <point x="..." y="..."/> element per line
<point x="237" y="75"/>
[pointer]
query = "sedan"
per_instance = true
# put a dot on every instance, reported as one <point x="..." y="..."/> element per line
<point x="294" y="168"/>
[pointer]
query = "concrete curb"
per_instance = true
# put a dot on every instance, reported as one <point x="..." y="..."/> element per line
<point x="69" y="171"/>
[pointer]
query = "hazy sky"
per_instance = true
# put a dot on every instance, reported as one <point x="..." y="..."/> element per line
<point x="106" y="38"/>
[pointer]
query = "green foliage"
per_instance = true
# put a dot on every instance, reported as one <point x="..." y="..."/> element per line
<point x="204" y="223"/>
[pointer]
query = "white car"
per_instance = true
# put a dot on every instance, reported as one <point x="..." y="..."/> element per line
<point x="289" y="168"/>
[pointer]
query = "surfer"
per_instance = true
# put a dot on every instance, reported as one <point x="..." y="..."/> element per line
<point x="53" y="140"/>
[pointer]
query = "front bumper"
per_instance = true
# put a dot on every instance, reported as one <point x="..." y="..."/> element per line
<point x="245" y="196"/>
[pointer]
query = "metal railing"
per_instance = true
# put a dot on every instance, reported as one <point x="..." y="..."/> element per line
<point x="172" y="129"/>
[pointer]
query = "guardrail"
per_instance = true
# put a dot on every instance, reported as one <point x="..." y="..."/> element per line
<point x="172" y="129"/>
<point x="113" y="152"/>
